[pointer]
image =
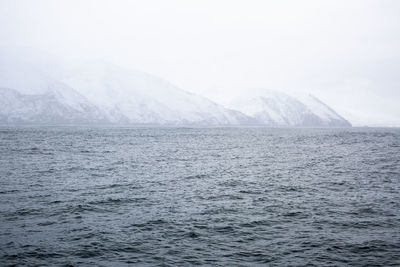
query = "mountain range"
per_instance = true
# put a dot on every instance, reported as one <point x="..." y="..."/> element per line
<point x="33" y="91"/>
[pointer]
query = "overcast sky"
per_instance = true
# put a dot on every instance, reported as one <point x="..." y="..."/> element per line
<point x="347" y="53"/>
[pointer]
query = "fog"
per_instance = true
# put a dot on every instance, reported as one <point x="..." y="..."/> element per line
<point x="344" y="52"/>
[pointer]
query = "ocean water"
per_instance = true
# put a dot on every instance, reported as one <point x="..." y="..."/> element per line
<point x="76" y="196"/>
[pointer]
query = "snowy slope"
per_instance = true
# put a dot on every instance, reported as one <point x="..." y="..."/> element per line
<point x="279" y="109"/>
<point x="107" y="93"/>
<point x="36" y="88"/>
<point x="323" y="111"/>
<point x="144" y="98"/>
<point x="55" y="106"/>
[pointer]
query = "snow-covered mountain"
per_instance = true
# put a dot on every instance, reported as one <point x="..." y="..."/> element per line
<point x="36" y="89"/>
<point x="279" y="109"/>
<point x="143" y="98"/>
<point x="58" y="105"/>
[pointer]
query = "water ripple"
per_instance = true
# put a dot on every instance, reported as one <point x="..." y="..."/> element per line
<point x="74" y="196"/>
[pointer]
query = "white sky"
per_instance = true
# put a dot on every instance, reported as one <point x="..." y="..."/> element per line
<point x="346" y="52"/>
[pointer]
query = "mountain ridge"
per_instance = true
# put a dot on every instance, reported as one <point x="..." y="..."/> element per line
<point x="103" y="93"/>
<point x="276" y="108"/>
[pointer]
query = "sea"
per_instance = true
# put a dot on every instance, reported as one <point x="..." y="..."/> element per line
<point x="169" y="196"/>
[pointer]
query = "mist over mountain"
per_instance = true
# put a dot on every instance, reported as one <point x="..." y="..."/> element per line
<point x="35" y="89"/>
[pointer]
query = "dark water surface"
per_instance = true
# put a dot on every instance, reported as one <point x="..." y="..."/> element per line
<point x="213" y="196"/>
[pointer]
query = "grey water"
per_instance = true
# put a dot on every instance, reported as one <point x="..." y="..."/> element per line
<point x="76" y="196"/>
